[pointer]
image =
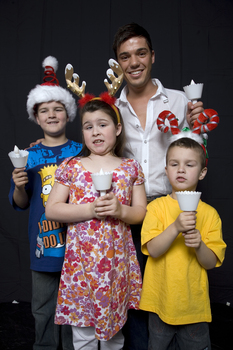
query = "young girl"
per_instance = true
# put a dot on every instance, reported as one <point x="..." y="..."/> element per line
<point x="101" y="277"/>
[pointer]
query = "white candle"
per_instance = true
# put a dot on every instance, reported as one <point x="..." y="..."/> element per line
<point x="16" y="151"/>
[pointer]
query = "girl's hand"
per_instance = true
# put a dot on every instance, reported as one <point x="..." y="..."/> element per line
<point x="107" y="205"/>
<point x="192" y="238"/>
<point x="20" y="177"/>
<point x="186" y="221"/>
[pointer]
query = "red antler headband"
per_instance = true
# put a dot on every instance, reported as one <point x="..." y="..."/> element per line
<point x="107" y="97"/>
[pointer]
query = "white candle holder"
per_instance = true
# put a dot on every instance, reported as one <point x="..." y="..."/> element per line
<point x="102" y="181"/>
<point x="18" y="157"/>
<point x="188" y="200"/>
<point x="193" y="91"/>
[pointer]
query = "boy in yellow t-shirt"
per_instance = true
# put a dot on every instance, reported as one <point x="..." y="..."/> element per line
<point x="180" y="246"/>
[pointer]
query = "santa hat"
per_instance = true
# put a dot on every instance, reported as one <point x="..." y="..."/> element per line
<point x="50" y="91"/>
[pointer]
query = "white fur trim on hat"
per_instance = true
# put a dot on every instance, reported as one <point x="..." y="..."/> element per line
<point x="51" y="91"/>
<point x="44" y="93"/>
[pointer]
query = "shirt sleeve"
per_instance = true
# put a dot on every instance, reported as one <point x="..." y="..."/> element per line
<point x="152" y="225"/>
<point x="214" y="238"/>
<point x="62" y="174"/>
<point x="140" y="179"/>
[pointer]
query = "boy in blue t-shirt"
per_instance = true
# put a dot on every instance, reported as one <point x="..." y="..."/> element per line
<point x="51" y="107"/>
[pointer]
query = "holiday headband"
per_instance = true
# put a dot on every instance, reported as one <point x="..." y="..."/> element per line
<point x="107" y="97"/>
<point x="50" y="90"/>
<point x="208" y="120"/>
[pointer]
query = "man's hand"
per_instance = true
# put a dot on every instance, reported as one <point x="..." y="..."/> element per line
<point x="35" y="143"/>
<point x="193" y="112"/>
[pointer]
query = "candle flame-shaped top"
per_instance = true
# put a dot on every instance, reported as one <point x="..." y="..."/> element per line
<point x="16" y="150"/>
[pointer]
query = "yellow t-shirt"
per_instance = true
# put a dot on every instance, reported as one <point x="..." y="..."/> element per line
<point x="175" y="285"/>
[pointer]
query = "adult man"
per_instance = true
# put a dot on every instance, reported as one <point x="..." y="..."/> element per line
<point x="140" y="103"/>
<point x="142" y="100"/>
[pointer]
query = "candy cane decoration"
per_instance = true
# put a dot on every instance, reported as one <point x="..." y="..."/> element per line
<point x="172" y="121"/>
<point x="208" y="120"/>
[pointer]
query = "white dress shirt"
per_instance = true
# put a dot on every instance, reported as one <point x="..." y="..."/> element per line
<point x="149" y="146"/>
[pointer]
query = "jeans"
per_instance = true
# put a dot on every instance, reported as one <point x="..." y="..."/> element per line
<point x="136" y="328"/>
<point x="163" y="336"/>
<point x="48" y="336"/>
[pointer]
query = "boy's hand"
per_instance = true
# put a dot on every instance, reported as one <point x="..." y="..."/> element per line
<point x="192" y="238"/>
<point x="20" y="177"/>
<point x="186" y="221"/>
<point x="107" y="205"/>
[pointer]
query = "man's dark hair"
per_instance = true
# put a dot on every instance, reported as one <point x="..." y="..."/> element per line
<point x="129" y="31"/>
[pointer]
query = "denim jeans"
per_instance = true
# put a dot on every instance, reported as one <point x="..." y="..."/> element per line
<point x="136" y="328"/>
<point x="163" y="336"/>
<point x="48" y="336"/>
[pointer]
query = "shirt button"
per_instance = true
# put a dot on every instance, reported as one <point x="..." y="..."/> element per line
<point x="137" y="126"/>
<point x="145" y="161"/>
<point x="145" y="141"/>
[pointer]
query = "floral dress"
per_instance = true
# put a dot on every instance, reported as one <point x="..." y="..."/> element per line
<point x="101" y="276"/>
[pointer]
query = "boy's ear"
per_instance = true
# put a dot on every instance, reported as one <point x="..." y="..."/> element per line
<point x="37" y="119"/>
<point x="203" y="173"/>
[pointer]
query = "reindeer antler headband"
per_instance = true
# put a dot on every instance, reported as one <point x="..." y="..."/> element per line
<point x="207" y="121"/>
<point x="107" y="97"/>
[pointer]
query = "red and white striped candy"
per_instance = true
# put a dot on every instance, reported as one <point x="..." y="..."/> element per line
<point x="172" y="121"/>
<point x="207" y="121"/>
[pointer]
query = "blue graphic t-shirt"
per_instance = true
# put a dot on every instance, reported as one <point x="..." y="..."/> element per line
<point x="47" y="238"/>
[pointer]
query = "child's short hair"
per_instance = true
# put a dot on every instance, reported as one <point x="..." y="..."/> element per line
<point x="186" y="142"/>
<point x="96" y="105"/>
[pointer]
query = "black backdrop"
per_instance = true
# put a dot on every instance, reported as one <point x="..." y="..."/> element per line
<point x="192" y="39"/>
